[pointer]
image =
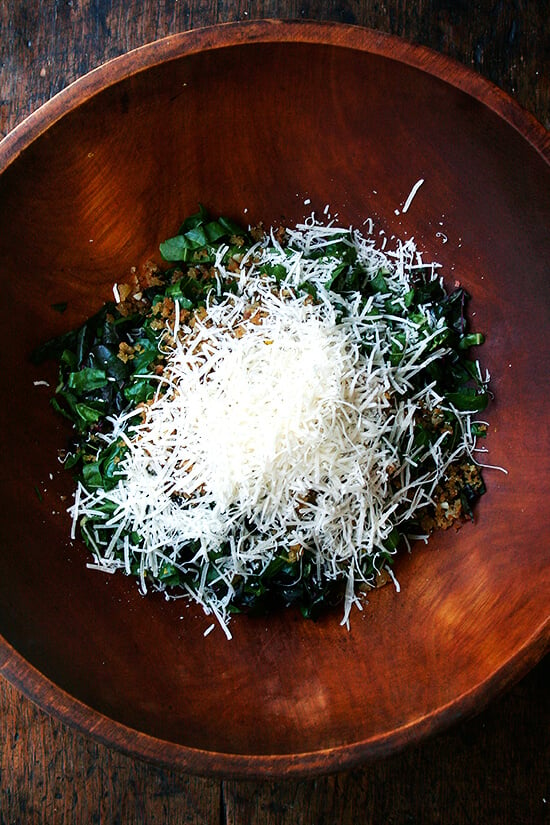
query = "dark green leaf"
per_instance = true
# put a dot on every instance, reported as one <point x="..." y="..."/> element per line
<point x="174" y="291"/>
<point x="139" y="391"/>
<point x="194" y="220"/>
<point x="474" y="339"/>
<point x="175" y="249"/>
<point x="378" y="283"/>
<point x="468" y="400"/>
<point x="86" y="380"/>
<point x="91" y="475"/>
<point x="88" y="413"/>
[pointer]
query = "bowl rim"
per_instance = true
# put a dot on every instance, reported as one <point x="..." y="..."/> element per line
<point x="223" y="35"/>
<point x="26" y="677"/>
<point x="55" y="701"/>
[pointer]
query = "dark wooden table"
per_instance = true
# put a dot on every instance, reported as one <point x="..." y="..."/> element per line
<point x="490" y="769"/>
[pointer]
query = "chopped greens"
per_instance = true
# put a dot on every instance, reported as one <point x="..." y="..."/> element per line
<point x="272" y="417"/>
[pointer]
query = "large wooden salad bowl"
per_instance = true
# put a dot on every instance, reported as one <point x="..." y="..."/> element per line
<point x="268" y="121"/>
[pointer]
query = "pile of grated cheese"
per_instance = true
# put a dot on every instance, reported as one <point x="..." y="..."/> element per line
<point x="279" y="422"/>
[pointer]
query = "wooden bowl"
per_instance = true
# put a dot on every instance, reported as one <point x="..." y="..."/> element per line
<point x="268" y="121"/>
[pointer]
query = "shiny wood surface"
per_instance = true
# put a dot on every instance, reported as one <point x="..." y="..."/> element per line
<point x="119" y="789"/>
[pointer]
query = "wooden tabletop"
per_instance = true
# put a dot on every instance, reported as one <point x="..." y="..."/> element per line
<point x="490" y="769"/>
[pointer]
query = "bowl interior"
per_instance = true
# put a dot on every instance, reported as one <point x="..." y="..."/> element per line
<point x="270" y="131"/>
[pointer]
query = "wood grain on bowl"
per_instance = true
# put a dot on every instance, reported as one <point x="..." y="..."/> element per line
<point x="90" y="185"/>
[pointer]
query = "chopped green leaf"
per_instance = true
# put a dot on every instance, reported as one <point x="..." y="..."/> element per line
<point x="86" y="380"/>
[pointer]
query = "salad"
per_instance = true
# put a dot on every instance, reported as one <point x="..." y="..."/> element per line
<point x="269" y="418"/>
